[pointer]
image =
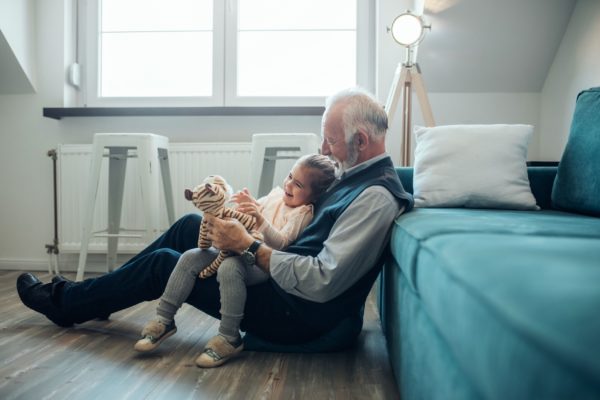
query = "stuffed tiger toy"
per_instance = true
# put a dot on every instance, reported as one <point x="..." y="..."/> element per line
<point x="210" y="197"/>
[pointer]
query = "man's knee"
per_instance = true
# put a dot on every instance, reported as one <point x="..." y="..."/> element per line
<point x="190" y="221"/>
<point x="161" y="264"/>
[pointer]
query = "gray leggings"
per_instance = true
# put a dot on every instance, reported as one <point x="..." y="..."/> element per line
<point x="233" y="277"/>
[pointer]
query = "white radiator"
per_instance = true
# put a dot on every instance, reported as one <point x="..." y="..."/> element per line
<point x="190" y="163"/>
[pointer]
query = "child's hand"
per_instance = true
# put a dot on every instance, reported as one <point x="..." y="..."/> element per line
<point x="243" y="196"/>
<point x="251" y="209"/>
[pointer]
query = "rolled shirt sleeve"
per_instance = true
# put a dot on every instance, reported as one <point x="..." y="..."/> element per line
<point x="356" y="241"/>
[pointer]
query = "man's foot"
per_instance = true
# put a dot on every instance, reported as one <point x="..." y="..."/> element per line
<point x="38" y="296"/>
<point x="153" y="334"/>
<point x="217" y="351"/>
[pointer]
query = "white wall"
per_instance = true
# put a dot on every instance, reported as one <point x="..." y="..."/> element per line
<point x="576" y="67"/>
<point x="17" y="24"/>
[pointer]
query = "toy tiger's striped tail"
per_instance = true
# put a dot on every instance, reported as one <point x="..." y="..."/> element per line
<point x="214" y="266"/>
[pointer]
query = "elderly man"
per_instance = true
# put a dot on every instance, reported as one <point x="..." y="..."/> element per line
<point x="320" y="279"/>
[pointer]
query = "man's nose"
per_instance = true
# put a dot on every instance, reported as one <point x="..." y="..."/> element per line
<point x="325" y="148"/>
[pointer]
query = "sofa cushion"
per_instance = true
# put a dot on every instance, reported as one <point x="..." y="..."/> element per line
<point x="577" y="184"/>
<point x="420" y="225"/>
<point x="513" y="294"/>
<point x="519" y="312"/>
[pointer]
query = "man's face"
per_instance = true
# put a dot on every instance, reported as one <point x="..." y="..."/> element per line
<point x="334" y="142"/>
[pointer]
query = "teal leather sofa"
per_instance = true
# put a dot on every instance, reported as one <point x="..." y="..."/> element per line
<point x="500" y="304"/>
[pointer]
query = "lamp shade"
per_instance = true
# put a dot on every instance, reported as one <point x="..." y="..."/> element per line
<point x="408" y="29"/>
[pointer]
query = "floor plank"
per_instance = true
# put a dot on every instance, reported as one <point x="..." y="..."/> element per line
<point x="39" y="360"/>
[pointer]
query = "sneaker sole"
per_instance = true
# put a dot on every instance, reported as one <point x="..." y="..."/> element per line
<point x="158" y="342"/>
<point x="210" y="363"/>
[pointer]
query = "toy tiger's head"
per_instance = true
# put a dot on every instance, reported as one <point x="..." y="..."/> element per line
<point x="210" y="196"/>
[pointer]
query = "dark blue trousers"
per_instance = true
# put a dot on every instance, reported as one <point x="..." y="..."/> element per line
<point x="145" y="276"/>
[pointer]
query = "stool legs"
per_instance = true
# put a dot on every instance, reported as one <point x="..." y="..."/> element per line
<point x="148" y="166"/>
<point x="163" y="157"/>
<point x="89" y="207"/>
<point x="116" y="183"/>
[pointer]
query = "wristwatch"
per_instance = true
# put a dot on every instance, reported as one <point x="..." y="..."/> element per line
<point x="249" y="255"/>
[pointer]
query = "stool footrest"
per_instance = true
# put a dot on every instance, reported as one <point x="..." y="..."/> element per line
<point x="275" y="158"/>
<point x="120" y="235"/>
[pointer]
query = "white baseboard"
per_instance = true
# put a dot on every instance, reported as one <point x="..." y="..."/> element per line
<point x="66" y="263"/>
<point x="7" y="264"/>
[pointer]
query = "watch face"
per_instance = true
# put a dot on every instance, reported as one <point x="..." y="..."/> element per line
<point x="248" y="258"/>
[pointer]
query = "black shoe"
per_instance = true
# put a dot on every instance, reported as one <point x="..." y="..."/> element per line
<point x="38" y="296"/>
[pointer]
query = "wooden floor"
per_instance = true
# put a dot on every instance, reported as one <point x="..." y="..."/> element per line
<point x="39" y="360"/>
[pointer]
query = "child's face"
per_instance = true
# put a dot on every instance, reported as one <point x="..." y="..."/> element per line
<point x="297" y="187"/>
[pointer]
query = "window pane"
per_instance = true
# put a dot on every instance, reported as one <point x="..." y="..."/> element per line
<point x="156" y="64"/>
<point x="296" y="14"/>
<point x="309" y="63"/>
<point x="156" y="15"/>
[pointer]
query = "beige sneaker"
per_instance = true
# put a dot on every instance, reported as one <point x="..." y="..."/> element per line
<point x="153" y="334"/>
<point x="217" y="351"/>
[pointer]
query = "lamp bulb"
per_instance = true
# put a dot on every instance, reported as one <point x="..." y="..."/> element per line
<point x="407" y="29"/>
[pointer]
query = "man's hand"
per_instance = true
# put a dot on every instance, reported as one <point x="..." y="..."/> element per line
<point x="228" y="234"/>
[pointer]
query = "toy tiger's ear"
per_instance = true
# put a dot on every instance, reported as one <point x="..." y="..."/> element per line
<point x="210" y="188"/>
<point x="188" y="194"/>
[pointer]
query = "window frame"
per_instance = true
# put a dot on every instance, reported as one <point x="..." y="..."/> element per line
<point x="224" y="63"/>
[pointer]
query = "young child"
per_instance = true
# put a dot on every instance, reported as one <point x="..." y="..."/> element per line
<point x="281" y="216"/>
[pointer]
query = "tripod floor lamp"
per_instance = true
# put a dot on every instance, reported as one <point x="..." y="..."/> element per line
<point x="408" y="30"/>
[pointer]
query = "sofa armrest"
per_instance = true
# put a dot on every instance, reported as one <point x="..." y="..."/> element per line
<point x="541" y="180"/>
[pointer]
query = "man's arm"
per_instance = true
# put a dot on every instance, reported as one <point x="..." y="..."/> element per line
<point x="355" y="243"/>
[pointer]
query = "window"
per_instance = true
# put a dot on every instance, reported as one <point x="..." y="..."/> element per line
<point x="224" y="52"/>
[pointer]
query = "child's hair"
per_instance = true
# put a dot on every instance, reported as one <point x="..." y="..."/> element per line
<point x="322" y="171"/>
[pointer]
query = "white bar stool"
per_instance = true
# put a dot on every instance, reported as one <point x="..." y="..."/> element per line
<point x="152" y="153"/>
<point x="266" y="149"/>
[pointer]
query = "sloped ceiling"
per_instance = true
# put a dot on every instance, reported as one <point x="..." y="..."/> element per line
<point x="13" y="79"/>
<point x="491" y="45"/>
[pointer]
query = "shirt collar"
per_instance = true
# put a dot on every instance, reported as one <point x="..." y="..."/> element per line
<point x="360" y="167"/>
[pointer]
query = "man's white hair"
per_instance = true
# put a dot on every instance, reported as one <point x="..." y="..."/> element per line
<point x="362" y="112"/>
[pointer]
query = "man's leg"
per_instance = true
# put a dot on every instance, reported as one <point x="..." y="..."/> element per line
<point x="181" y="236"/>
<point x="142" y="278"/>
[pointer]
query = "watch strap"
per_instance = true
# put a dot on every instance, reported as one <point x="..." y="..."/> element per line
<point x="254" y="246"/>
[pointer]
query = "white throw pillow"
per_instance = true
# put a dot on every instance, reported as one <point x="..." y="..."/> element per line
<point x="473" y="166"/>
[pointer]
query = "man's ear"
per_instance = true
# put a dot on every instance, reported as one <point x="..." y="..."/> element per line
<point x="362" y="139"/>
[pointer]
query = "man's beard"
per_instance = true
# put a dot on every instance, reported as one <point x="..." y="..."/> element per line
<point x="351" y="159"/>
